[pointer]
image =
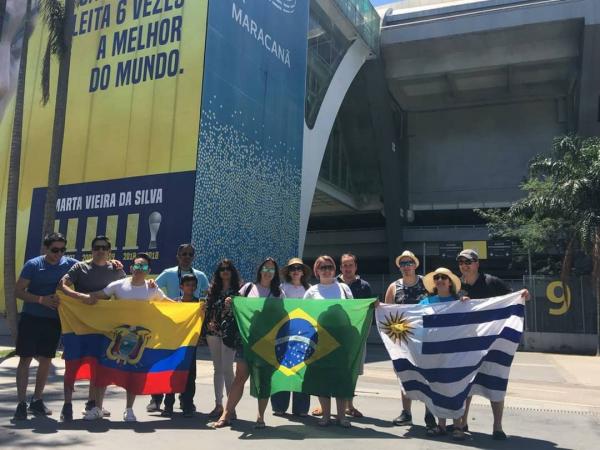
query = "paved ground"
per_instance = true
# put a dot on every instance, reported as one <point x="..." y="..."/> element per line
<point x="553" y="403"/>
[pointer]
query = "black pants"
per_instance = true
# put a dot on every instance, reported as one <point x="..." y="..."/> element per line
<point x="187" y="397"/>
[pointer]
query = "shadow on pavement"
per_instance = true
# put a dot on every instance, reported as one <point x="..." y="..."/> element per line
<point x="485" y="441"/>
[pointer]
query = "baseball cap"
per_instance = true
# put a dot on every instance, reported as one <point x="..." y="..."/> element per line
<point x="468" y="253"/>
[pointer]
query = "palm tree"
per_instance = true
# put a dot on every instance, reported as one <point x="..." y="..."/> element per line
<point x="14" y="169"/>
<point x="565" y="188"/>
<point x="60" y="22"/>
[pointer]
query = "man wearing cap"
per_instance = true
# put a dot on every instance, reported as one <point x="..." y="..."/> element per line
<point x="408" y="290"/>
<point x="476" y="285"/>
<point x="170" y="282"/>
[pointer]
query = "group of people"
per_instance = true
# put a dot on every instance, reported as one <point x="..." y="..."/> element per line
<point x="102" y="278"/>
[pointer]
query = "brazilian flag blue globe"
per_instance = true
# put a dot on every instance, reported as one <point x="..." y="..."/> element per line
<point x="310" y="346"/>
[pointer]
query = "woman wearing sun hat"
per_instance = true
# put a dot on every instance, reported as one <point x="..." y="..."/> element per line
<point x="295" y="275"/>
<point x="409" y="289"/>
<point x="443" y="286"/>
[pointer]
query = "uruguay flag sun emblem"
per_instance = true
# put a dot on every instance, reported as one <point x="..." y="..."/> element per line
<point x="294" y="342"/>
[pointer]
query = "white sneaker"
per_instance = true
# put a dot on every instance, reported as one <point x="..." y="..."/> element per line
<point x="93" y="414"/>
<point x="129" y="416"/>
<point x="105" y="413"/>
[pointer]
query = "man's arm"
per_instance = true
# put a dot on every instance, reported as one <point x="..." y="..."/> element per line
<point x="49" y="301"/>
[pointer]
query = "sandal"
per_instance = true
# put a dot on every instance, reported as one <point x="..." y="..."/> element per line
<point x="324" y="422"/>
<point x="215" y="413"/>
<point x="317" y="411"/>
<point x="221" y="423"/>
<point x="436" y="431"/>
<point x="353" y="412"/>
<point x="260" y="424"/>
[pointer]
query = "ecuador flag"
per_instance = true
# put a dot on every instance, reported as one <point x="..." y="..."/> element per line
<point x="144" y="347"/>
<point x="310" y="346"/>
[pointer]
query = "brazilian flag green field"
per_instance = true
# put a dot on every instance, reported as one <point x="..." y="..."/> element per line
<point x="310" y="346"/>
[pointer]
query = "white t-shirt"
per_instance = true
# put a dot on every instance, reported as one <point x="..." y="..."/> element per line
<point x="124" y="290"/>
<point x="334" y="290"/>
<point x="292" y="291"/>
<point x="258" y="291"/>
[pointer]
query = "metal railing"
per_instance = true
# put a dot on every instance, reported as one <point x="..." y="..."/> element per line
<point x="364" y="17"/>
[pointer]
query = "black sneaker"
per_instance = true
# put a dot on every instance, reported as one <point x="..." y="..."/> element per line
<point x="37" y="408"/>
<point x="430" y="421"/>
<point x="188" y="412"/>
<point x="66" y="414"/>
<point x="167" y="412"/>
<point x="405" y="418"/>
<point x="21" y="412"/>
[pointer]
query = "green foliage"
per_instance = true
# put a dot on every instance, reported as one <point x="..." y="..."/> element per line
<point x="561" y="209"/>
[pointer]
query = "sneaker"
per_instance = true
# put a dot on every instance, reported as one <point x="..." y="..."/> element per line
<point x="89" y="405"/>
<point x="37" y="408"/>
<point x="21" y="411"/>
<point x="66" y="414"/>
<point x="105" y="413"/>
<point x="93" y="414"/>
<point x="167" y="412"/>
<point x="153" y="406"/>
<point x="188" y="412"/>
<point x="129" y="416"/>
<point x="405" y="418"/>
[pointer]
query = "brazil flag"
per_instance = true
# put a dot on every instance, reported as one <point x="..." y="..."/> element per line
<point x="310" y="346"/>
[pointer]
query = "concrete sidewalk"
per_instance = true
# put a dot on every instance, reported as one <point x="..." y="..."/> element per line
<point x="553" y="402"/>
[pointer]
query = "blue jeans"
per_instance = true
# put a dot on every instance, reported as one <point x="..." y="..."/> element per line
<point x="281" y="401"/>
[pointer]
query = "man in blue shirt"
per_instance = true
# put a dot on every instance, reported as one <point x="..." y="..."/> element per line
<point x="170" y="282"/>
<point x="39" y="326"/>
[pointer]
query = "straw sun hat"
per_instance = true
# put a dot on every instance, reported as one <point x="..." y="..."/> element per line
<point x="407" y="254"/>
<point x="285" y="271"/>
<point x="430" y="284"/>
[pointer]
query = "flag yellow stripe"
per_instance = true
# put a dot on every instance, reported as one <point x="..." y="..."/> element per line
<point x="172" y="324"/>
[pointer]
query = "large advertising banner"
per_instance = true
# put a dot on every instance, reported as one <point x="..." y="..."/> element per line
<point x="247" y="204"/>
<point x="131" y="138"/>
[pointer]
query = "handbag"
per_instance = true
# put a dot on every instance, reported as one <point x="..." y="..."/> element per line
<point x="229" y="330"/>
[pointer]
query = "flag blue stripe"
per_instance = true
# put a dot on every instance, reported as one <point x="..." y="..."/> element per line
<point x="153" y="360"/>
<point x="453" y="374"/>
<point x="469" y="344"/>
<point x="457" y="402"/>
<point x="469" y="318"/>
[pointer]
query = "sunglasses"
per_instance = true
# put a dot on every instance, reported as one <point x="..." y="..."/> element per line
<point x="97" y="248"/>
<point x="58" y="249"/>
<point x="407" y="263"/>
<point x="191" y="255"/>
<point x="267" y="270"/>
<point x="440" y="277"/>
<point x="328" y="267"/>
<point x="465" y="262"/>
<point x="296" y="268"/>
<point x="141" y="267"/>
<point x="224" y="269"/>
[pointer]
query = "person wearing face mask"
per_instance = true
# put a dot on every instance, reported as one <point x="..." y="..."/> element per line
<point x="409" y="290"/>
<point x="136" y="287"/>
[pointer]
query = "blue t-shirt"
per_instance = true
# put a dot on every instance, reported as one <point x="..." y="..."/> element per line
<point x="169" y="282"/>
<point x="43" y="279"/>
<point x="436" y="299"/>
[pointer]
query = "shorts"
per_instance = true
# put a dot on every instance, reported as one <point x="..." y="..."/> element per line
<point x="37" y="336"/>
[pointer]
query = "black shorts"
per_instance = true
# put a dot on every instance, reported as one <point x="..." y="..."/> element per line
<point x="37" y="336"/>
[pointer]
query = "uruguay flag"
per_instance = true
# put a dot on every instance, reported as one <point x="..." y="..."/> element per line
<point x="445" y="352"/>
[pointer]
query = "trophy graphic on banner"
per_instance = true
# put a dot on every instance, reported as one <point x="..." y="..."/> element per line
<point x="154" y="224"/>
